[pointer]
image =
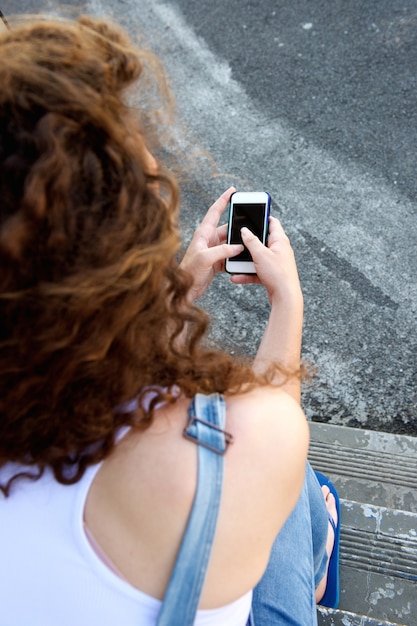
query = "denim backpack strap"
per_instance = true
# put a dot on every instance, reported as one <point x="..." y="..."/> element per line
<point x="205" y="426"/>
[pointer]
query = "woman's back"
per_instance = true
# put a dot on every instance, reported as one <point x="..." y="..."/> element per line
<point x="140" y="500"/>
<point x="136" y="507"/>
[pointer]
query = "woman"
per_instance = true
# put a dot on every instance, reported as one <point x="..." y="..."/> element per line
<point x="101" y="357"/>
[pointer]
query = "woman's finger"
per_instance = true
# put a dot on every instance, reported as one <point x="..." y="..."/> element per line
<point x="251" y="241"/>
<point x="222" y="233"/>
<point x="220" y="253"/>
<point x="275" y="232"/>
<point x="245" y="279"/>
<point x="217" y="208"/>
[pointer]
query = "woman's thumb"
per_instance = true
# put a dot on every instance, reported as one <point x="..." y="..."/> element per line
<point x="250" y="240"/>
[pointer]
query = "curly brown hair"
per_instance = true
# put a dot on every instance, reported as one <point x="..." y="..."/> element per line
<point x="92" y="301"/>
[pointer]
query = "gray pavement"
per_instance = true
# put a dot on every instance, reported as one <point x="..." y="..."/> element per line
<point x="314" y="101"/>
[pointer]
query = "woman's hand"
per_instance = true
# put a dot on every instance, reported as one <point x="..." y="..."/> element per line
<point x="275" y="265"/>
<point x="208" y="249"/>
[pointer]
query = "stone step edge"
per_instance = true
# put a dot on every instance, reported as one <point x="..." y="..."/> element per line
<point x="337" y="617"/>
<point x="363" y="439"/>
<point x="354" y="462"/>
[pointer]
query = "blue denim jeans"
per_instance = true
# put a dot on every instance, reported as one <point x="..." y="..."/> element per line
<point x="286" y="593"/>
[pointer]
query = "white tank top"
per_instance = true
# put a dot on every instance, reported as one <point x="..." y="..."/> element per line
<point x="51" y="575"/>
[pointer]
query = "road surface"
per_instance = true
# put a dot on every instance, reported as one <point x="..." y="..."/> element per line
<point x="315" y="102"/>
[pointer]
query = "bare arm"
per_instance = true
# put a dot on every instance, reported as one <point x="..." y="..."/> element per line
<point x="277" y="271"/>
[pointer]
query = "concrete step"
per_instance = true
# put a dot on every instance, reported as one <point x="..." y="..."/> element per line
<point x="330" y="617"/>
<point x="378" y="558"/>
<point x="370" y="467"/>
<point x="376" y="477"/>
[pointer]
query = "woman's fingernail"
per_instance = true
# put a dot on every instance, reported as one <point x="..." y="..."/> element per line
<point x="244" y="231"/>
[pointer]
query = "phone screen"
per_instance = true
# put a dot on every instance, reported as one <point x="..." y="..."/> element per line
<point x="253" y="217"/>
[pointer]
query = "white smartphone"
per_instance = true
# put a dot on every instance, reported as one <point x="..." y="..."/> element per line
<point x="250" y="209"/>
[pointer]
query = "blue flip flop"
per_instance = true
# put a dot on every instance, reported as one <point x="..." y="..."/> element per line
<point x="332" y="593"/>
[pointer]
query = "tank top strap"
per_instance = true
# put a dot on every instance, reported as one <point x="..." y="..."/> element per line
<point x="206" y="421"/>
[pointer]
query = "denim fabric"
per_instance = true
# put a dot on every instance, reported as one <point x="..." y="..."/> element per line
<point x="184" y="588"/>
<point x="285" y="596"/>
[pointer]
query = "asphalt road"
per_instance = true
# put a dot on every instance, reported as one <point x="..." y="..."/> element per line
<point x="314" y="101"/>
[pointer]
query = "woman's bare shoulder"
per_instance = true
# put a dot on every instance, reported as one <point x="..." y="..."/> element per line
<point x="266" y="410"/>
